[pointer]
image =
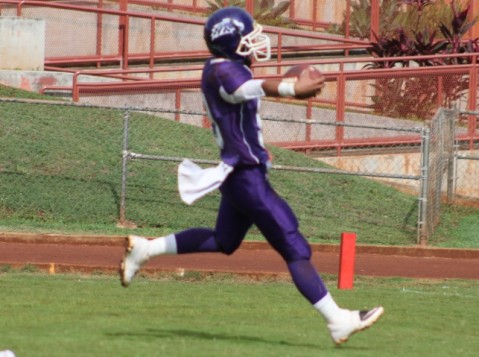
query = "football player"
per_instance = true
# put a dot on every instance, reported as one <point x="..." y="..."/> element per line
<point x="232" y="98"/>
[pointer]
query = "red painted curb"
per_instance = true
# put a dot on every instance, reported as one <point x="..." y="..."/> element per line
<point x="410" y="251"/>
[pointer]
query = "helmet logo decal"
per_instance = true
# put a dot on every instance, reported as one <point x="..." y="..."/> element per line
<point x="226" y="27"/>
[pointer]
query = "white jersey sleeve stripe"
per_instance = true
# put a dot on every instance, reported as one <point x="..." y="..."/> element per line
<point x="251" y="89"/>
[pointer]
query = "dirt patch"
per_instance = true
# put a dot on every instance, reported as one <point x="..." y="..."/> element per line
<point x="254" y="259"/>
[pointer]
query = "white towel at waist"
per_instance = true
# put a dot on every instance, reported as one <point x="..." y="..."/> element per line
<point x="195" y="182"/>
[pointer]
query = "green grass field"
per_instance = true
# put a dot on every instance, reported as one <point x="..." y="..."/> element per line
<point x="76" y="315"/>
<point x="60" y="172"/>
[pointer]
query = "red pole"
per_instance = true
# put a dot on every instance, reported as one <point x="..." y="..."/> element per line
<point x="279" y="52"/>
<point x="206" y="121"/>
<point x="474" y="7"/>
<point x="472" y="105"/>
<point x="177" y="103"/>
<point x="99" y="32"/>
<point x="122" y="35"/>
<point x="250" y="6"/>
<point x="19" y="8"/>
<point x="347" y="30"/>
<point x="340" y="111"/>
<point x="374" y="19"/>
<point x="292" y="10"/>
<point x="152" y="44"/>
<point x="315" y="16"/>
<point x="126" y="35"/>
<point x="309" y="115"/>
<point x="347" y="255"/>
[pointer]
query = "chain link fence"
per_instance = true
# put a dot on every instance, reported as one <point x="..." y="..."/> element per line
<point x="372" y="123"/>
<point x="465" y="186"/>
<point x="58" y="165"/>
<point x="437" y="170"/>
<point x="430" y="175"/>
<point x="136" y="158"/>
<point x="47" y="163"/>
<point x="354" y="96"/>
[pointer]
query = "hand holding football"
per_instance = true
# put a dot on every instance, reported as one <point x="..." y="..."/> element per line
<point x="295" y="72"/>
<point x="309" y="80"/>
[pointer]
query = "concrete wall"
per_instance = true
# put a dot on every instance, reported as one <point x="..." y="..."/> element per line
<point x="22" y="43"/>
<point x="466" y="171"/>
<point x="35" y="81"/>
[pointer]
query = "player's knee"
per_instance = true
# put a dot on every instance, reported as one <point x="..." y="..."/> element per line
<point x="298" y="253"/>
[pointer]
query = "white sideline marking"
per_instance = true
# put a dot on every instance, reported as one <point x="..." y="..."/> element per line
<point x="455" y="293"/>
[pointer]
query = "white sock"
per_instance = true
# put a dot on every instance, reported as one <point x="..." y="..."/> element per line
<point x="162" y="245"/>
<point x="328" y="308"/>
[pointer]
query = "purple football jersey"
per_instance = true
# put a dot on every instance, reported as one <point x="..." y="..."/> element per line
<point x="236" y="126"/>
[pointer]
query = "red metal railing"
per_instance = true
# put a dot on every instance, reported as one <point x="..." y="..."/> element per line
<point x="125" y="57"/>
<point x="131" y="83"/>
<point x="313" y="22"/>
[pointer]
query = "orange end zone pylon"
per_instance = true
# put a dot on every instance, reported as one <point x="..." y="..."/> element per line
<point x="347" y="254"/>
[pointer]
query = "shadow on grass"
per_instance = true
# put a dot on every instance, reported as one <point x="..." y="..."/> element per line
<point x="182" y="333"/>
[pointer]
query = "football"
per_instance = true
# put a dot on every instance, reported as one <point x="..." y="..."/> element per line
<point x="294" y="72"/>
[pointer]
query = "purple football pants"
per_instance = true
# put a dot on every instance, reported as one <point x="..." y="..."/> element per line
<point x="247" y="199"/>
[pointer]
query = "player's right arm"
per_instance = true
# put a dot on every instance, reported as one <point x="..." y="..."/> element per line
<point x="254" y="88"/>
<point x="304" y="87"/>
<point x="237" y="85"/>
